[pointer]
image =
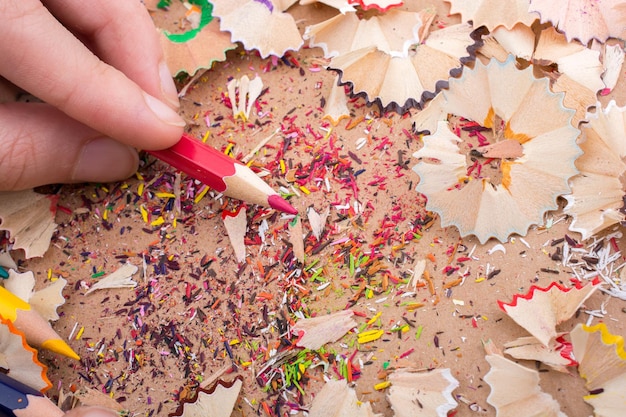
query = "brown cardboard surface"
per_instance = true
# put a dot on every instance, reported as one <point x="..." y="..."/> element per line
<point x="146" y="346"/>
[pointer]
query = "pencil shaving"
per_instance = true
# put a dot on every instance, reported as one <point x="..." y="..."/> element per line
<point x="315" y="332"/>
<point x="261" y="26"/>
<point x="46" y="300"/>
<point x="218" y="400"/>
<point x="29" y="219"/>
<point x="20" y="360"/>
<point x="602" y="362"/>
<point x="336" y="398"/>
<point x="417" y="393"/>
<point x="525" y="397"/>
<point x="541" y="309"/>
<point x="120" y="278"/>
<point x="236" y="225"/>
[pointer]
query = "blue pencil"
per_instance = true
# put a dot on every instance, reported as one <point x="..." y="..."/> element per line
<point x="19" y="400"/>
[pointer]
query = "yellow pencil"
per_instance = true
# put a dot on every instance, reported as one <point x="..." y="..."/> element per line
<point x="37" y="330"/>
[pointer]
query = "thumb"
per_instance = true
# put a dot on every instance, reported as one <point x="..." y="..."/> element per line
<point x="41" y="145"/>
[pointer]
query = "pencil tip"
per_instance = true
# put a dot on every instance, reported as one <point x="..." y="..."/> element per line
<point x="278" y="203"/>
<point x="59" y="346"/>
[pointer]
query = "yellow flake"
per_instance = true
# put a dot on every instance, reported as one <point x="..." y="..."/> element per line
<point x="382" y="385"/>
<point x="158" y="221"/>
<point x="327" y="135"/>
<point x="80" y="333"/>
<point x="144" y="213"/>
<point x="370" y="336"/>
<point x="201" y="195"/>
<point x="373" y="319"/>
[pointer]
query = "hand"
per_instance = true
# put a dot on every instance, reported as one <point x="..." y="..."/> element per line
<point x="98" y="67"/>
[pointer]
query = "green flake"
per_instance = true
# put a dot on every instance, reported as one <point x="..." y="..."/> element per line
<point x="207" y="10"/>
<point x="418" y="333"/>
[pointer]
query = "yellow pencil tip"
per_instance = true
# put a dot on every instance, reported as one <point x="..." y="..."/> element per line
<point x="59" y="346"/>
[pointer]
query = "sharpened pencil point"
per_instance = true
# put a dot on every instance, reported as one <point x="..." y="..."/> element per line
<point x="278" y="203"/>
<point x="59" y="346"/>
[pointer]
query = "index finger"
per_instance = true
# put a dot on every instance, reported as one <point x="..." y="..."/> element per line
<point x="122" y="34"/>
<point x="41" y="56"/>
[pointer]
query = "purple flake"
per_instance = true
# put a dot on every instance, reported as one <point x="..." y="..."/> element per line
<point x="266" y="3"/>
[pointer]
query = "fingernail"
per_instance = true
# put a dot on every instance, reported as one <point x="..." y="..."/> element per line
<point x="104" y="160"/>
<point x="168" y="88"/>
<point x="163" y="111"/>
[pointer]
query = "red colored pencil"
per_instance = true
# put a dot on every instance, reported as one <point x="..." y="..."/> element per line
<point x="222" y="173"/>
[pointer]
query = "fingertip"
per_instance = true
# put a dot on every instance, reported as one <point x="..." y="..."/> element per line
<point x="162" y="111"/>
<point x="168" y="88"/>
<point x="164" y="128"/>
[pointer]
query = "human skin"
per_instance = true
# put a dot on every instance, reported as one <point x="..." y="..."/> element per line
<point x="99" y="69"/>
